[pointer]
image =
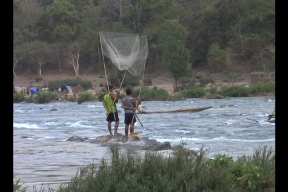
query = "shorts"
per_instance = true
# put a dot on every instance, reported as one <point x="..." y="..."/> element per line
<point x="112" y="117"/>
<point x="128" y="118"/>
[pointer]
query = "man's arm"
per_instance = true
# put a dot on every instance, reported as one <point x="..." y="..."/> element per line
<point x="104" y="104"/>
<point x="117" y="95"/>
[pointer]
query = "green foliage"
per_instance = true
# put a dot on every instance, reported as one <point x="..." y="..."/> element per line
<point x="183" y="171"/>
<point x="193" y="92"/>
<point x="184" y="80"/>
<point x="85" y="96"/>
<point x="263" y="157"/>
<point x="17" y="187"/>
<point x="246" y="174"/>
<point x="45" y="97"/>
<point x="18" y="97"/>
<point x="262" y="87"/>
<point x="153" y="94"/>
<point x="216" y="56"/>
<point x="235" y="91"/>
<point x="220" y="160"/>
<point x="38" y="78"/>
<point x="63" y="18"/>
<point x="53" y="85"/>
<point x="206" y="80"/>
<point x="216" y="32"/>
<point x="182" y="142"/>
<point x="175" y="54"/>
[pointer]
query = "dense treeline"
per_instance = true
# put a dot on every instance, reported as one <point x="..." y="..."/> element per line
<point x="209" y="34"/>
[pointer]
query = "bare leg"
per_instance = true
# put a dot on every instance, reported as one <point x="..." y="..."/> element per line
<point x="109" y="128"/>
<point x="132" y="128"/>
<point x="116" y="127"/>
<point x="126" y="129"/>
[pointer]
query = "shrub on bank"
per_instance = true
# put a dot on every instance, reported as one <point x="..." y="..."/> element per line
<point x="234" y="91"/>
<point x="18" y="97"/>
<point x="262" y="87"/>
<point x="153" y="94"/>
<point x="147" y="94"/>
<point x="259" y="88"/>
<point x="193" y="92"/>
<point x="85" y="97"/>
<point x="45" y="97"/>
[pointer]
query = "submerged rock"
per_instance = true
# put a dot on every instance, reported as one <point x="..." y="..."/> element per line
<point x="133" y="142"/>
<point x="75" y="138"/>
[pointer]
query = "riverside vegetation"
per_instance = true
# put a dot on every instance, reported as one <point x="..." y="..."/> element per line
<point x="182" y="171"/>
<point x="186" y="90"/>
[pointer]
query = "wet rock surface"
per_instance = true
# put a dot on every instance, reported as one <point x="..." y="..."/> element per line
<point x="133" y="142"/>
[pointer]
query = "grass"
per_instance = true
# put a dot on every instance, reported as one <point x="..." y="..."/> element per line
<point x="183" y="171"/>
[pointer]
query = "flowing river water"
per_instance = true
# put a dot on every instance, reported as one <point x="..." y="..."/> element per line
<point x="43" y="156"/>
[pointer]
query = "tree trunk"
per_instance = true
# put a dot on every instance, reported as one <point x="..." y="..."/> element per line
<point x="14" y="66"/>
<point x="175" y="86"/>
<point x="39" y="67"/>
<point x="74" y="61"/>
<point x="59" y="63"/>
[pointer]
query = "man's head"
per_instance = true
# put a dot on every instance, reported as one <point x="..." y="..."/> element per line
<point x="110" y="87"/>
<point x="128" y="91"/>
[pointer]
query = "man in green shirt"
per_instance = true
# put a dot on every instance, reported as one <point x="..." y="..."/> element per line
<point x="109" y="101"/>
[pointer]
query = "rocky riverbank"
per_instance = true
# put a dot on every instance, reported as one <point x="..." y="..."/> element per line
<point x="161" y="81"/>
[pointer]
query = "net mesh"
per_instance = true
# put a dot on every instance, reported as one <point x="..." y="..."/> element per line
<point x="126" y="51"/>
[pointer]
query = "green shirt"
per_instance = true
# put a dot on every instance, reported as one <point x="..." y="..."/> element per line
<point x="109" y="104"/>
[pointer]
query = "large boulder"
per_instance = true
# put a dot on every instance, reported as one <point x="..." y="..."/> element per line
<point x="133" y="142"/>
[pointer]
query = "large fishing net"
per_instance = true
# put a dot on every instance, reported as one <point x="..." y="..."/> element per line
<point x="126" y="51"/>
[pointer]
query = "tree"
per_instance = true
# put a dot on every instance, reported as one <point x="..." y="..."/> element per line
<point x="113" y="9"/>
<point x="72" y="57"/>
<point x="175" y="55"/>
<point x="26" y="14"/>
<point x="39" y="53"/>
<point x="215" y="56"/>
<point x="15" y="61"/>
<point x="59" y="22"/>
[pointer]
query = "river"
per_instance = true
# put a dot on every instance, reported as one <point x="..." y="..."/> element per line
<point x="42" y="156"/>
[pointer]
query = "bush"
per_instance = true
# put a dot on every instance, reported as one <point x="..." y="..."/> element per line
<point x="183" y="171"/>
<point x="85" y="96"/>
<point x="205" y="80"/>
<point x="53" y="85"/>
<point x="262" y="87"/>
<point x="45" y="97"/>
<point x="18" y="97"/>
<point x="147" y="94"/>
<point x="234" y="91"/>
<point x="153" y="94"/>
<point x="38" y="78"/>
<point x="17" y="187"/>
<point x="193" y="92"/>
